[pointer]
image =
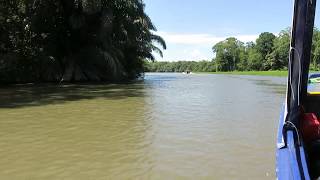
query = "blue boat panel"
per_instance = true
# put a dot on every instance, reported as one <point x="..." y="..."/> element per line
<point x="282" y="169"/>
<point x="304" y="163"/>
<point x="287" y="167"/>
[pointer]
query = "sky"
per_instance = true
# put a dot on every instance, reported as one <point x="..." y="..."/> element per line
<point x="191" y="27"/>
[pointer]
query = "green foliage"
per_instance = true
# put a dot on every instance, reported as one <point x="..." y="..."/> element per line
<point x="267" y="53"/>
<point x="315" y="61"/>
<point x="76" y="40"/>
<point x="228" y="54"/>
<point x="255" y="73"/>
<point x="278" y="58"/>
<point x="255" y="59"/>
<point x="180" y="66"/>
<point x="264" y="43"/>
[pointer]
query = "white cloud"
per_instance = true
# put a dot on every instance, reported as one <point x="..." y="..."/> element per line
<point x="196" y="54"/>
<point x="200" y="39"/>
<point x="186" y="53"/>
<point x="190" y="46"/>
<point x="247" y="38"/>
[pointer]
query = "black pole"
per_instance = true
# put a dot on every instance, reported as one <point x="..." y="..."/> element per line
<point x="300" y="54"/>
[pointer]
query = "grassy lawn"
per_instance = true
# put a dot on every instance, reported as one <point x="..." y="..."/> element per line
<point x="254" y="73"/>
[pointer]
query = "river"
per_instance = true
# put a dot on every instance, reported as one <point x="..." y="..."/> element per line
<point x="169" y="126"/>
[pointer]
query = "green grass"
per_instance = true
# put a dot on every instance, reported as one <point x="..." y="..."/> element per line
<point x="253" y="73"/>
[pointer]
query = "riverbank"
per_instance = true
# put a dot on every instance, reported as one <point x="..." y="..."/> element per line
<point x="253" y="73"/>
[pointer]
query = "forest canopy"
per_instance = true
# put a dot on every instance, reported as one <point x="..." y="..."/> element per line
<point x="102" y="40"/>
<point x="268" y="52"/>
<point x="75" y="40"/>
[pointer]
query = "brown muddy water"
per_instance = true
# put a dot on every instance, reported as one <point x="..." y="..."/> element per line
<point x="169" y="126"/>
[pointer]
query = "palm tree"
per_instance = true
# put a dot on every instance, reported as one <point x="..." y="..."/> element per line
<point x="88" y="40"/>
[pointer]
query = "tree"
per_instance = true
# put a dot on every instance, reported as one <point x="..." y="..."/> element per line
<point x="315" y="50"/>
<point x="180" y="66"/>
<point x="254" y="59"/>
<point x="76" y="40"/>
<point x="278" y="58"/>
<point x="227" y="54"/>
<point x="242" y="65"/>
<point x="264" y="44"/>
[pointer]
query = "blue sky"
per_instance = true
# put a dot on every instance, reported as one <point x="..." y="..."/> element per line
<point x="192" y="27"/>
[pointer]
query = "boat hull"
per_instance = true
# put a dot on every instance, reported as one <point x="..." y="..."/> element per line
<point x="290" y="160"/>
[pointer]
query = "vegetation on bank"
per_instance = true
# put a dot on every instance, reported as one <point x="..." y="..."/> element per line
<point x="179" y="66"/>
<point x="205" y="67"/>
<point x="253" y="73"/>
<point x="101" y="40"/>
<point x="75" y="40"/>
<point x="269" y="54"/>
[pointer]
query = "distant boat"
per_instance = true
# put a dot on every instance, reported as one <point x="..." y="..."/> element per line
<point x="314" y="78"/>
<point x="298" y="140"/>
<point x="187" y="72"/>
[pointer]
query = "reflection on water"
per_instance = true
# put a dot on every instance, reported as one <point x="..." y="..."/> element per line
<point x="30" y="95"/>
<point x="170" y="126"/>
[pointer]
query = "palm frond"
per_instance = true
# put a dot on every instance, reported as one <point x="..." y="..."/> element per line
<point x="157" y="50"/>
<point x="158" y="39"/>
<point x="148" y="23"/>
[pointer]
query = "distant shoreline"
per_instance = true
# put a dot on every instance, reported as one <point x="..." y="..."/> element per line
<point x="252" y="73"/>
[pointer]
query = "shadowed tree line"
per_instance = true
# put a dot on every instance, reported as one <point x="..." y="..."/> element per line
<point x="74" y="40"/>
<point x="180" y="66"/>
<point x="268" y="52"/>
